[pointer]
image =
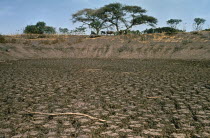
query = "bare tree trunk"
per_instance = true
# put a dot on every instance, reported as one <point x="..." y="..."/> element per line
<point x="97" y="31"/>
<point x="117" y="27"/>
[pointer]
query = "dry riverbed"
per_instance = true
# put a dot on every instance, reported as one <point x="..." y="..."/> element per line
<point x="137" y="98"/>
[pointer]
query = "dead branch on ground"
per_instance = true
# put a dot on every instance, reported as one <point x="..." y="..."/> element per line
<point x="69" y="113"/>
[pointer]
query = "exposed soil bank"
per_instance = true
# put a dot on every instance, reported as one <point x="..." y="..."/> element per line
<point x="157" y="46"/>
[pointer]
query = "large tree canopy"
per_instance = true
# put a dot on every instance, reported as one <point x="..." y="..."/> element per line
<point x="198" y="23"/>
<point x="174" y="22"/>
<point x="114" y="14"/>
<point x="133" y="15"/>
<point x="127" y="16"/>
<point x="91" y="18"/>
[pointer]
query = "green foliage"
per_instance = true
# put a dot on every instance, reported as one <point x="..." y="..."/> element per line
<point x="91" y="18"/>
<point x="63" y="30"/>
<point x="49" y="30"/>
<point x="129" y="16"/>
<point x="195" y="33"/>
<point x="6" y="48"/>
<point x="137" y="32"/>
<point x="113" y="15"/>
<point x="198" y="23"/>
<point x="31" y="29"/>
<point x="2" y="39"/>
<point x="78" y="31"/>
<point x="207" y="29"/>
<point x="168" y="30"/>
<point x="39" y="28"/>
<point x="174" y="22"/>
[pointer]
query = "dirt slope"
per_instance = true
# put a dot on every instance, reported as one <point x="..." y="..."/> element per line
<point x="194" y="45"/>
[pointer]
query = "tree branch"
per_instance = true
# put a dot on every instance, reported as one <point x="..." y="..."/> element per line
<point x="68" y="113"/>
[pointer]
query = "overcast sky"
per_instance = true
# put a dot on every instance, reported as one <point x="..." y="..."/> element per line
<point x="16" y="14"/>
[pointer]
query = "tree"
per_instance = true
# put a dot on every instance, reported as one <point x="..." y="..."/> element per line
<point x="134" y="16"/>
<point x="91" y="18"/>
<point x="31" y="29"/>
<point x="198" y="23"/>
<point x="174" y="22"/>
<point x="117" y="14"/>
<point x="49" y="30"/>
<point x="39" y="28"/>
<point x="63" y="30"/>
<point x="80" y="30"/>
<point x="112" y="13"/>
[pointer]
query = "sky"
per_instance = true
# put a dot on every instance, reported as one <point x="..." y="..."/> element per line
<point x="17" y="14"/>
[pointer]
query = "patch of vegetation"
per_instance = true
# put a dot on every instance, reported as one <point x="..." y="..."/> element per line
<point x="195" y="33"/>
<point x="6" y="48"/>
<point x="167" y="30"/>
<point x="174" y="22"/>
<point x="94" y="36"/>
<point x="39" y="28"/>
<point x="198" y="23"/>
<point x="207" y="29"/>
<point x="114" y="14"/>
<point x="2" y="39"/>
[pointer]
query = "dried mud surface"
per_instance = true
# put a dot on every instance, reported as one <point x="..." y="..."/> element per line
<point x="138" y="98"/>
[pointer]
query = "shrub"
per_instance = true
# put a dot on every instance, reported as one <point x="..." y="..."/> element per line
<point x="207" y="30"/>
<point x="2" y="39"/>
<point x="167" y="30"/>
<point x="195" y="33"/>
<point x="39" y="28"/>
<point x="6" y="48"/>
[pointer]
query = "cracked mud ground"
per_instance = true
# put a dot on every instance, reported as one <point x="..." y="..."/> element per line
<point x="138" y="98"/>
